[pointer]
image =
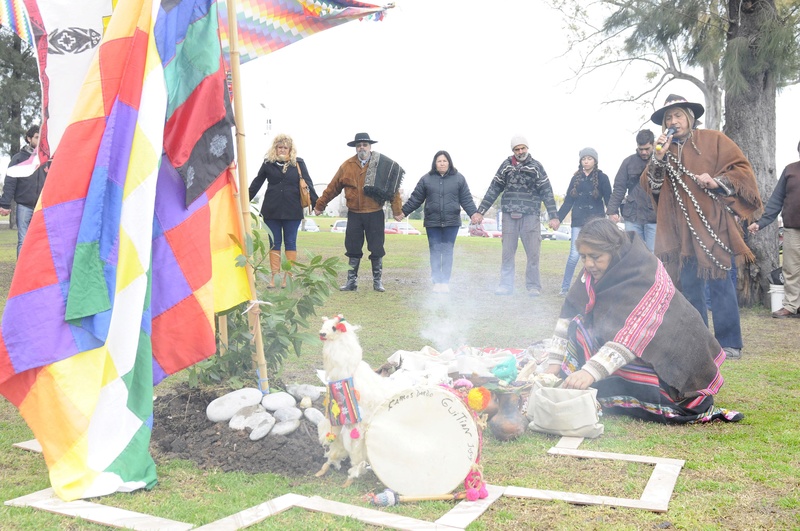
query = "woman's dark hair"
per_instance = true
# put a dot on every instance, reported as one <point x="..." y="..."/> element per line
<point x="450" y="171"/>
<point x="593" y="176"/>
<point x="602" y="235"/>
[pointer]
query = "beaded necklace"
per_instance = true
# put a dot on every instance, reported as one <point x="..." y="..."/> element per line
<point x="675" y="169"/>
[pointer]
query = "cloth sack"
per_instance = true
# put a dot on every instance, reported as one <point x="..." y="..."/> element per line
<point x="565" y="412"/>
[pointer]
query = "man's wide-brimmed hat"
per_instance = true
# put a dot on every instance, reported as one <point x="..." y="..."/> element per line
<point x="361" y="137"/>
<point x="673" y="100"/>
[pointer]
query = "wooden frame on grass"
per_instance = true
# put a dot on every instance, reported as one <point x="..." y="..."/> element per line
<point x="655" y="497"/>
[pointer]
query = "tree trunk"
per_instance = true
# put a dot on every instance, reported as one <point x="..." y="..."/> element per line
<point x="750" y="122"/>
<point x="713" y="94"/>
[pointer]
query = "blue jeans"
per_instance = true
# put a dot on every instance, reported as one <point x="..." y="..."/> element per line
<point x="284" y="232"/>
<point x="646" y="231"/>
<point x="572" y="261"/>
<point x="723" y="302"/>
<point x="24" y="215"/>
<point x="441" y="241"/>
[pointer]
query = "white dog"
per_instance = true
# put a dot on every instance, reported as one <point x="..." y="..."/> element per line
<point x="342" y="359"/>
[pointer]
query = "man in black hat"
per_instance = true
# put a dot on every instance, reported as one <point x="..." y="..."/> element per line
<point x="704" y="187"/>
<point x="369" y="179"/>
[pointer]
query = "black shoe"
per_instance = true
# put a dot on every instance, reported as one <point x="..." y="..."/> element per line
<point x="352" y="276"/>
<point x="732" y="353"/>
<point x="349" y="286"/>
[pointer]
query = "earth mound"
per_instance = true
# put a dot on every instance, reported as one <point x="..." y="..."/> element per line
<point x="181" y="430"/>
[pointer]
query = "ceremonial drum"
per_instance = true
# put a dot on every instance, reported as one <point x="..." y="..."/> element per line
<point x="422" y="442"/>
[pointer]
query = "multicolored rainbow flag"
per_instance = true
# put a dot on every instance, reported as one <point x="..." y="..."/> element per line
<point x="268" y="25"/>
<point x="66" y="40"/>
<point x="14" y="17"/>
<point x="118" y="279"/>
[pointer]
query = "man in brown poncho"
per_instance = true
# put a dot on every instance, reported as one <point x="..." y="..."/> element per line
<point x="704" y="188"/>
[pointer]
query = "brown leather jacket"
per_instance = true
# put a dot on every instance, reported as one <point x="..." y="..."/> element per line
<point x="350" y="178"/>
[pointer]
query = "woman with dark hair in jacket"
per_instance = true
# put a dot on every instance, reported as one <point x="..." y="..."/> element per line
<point x="587" y="197"/>
<point x="445" y="192"/>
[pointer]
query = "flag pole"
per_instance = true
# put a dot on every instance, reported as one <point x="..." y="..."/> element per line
<point x="253" y="314"/>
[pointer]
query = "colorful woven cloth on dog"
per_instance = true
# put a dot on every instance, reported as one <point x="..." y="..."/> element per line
<point x="343" y="403"/>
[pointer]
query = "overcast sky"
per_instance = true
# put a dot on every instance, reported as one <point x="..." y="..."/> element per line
<point x="453" y="75"/>
<point x="440" y="74"/>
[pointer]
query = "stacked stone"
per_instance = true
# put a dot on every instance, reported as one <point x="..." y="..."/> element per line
<point x="275" y="413"/>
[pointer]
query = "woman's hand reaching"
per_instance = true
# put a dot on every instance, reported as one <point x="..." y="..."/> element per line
<point x="578" y="380"/>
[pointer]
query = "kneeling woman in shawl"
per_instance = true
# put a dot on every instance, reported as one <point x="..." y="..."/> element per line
<point x="625" y="330"/>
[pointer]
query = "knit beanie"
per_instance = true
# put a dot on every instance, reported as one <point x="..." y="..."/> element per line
<point x="588" y="152"/>
<point x="518" y="140"/>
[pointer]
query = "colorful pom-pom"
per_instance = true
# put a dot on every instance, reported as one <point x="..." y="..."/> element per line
<point x="330" y="437"/>
<point x="472" y="494"/>
<point x="462" y="383"/>
<point x="482" y="492"/>
<point x="354" y="433"/>
<point x="387" y="498"/>
<point x="478" y="398"/>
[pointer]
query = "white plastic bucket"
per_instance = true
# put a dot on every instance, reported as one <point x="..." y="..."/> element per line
<point x="776" y="294"/>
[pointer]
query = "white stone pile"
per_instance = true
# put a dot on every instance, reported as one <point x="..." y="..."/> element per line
<point x="275" y="413"/>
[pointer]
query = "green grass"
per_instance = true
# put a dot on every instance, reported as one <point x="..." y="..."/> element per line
<point x="737" y="476"/>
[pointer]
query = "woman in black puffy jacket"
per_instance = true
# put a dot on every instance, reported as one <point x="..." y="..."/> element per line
<point x="445" y="192"/>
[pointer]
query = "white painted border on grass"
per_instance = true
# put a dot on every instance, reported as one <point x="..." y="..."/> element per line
<point x="655" y="497"/>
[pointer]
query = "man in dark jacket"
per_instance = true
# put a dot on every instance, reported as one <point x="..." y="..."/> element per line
<point x="629" y="199"/>
<point x="785" y="200"/>
<point x="24" y="190"/>
<point x="524" y="185"/>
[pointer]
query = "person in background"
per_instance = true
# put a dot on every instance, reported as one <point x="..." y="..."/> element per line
<point x="24" y="191"/>
<point x="785" y="200"/>
<point x="445" y="192"/>
<point x="369" y="179"/>
<point x="587" y="197"/>
<point x="626" y="331"/>
<point x="628" y="198"/>
<point x="282" y="169"/>
<point x="524" y="185"/>
<point x="705" y="189"/>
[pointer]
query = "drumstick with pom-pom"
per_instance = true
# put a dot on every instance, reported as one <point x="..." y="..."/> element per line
<point x="390" y="498"/>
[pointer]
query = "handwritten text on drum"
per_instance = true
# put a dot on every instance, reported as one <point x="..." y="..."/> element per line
<point x="461" y="418"/>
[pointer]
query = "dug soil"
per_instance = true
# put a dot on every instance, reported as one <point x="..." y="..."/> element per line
<point x="181" y="430"/>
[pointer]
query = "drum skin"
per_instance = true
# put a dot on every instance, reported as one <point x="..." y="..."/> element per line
<point x="422" y="442"/>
